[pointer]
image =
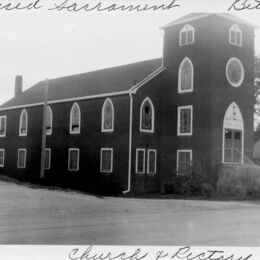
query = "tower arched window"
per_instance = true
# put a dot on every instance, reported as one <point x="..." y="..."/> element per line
<point x="235" y="35"/>
<point x="185" y="76"/>
<point x="187" y="35"/>
<point x="48" y="120"/>
<point x="107" y="116"/>
<point x="233" y="135"/>
<point x="23" y="125"/>
<point x="75" y="119"/>
<point x="147" y="116"/>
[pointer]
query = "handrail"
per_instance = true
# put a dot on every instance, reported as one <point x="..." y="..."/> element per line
<point x="244" y="157"/>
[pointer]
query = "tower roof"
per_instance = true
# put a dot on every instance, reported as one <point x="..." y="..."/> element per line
<point x="197" y="16"/>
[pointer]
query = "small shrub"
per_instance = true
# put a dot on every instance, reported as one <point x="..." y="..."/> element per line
<point x="178" y="181"/>
<point x="207" y="190"/>
<point x="185" y="189"/>
<point x="239" y="182"/>
<point x="167" y="188"/>
<point x="239" y="192"/>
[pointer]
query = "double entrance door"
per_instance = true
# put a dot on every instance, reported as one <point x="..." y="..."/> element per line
<point x="233" y="146"/>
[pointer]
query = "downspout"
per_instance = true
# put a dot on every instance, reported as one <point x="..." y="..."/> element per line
<point x="43" y="145"/>
<point x="130" y="143"/>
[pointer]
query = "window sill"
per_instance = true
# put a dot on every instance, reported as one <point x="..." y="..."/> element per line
<point x="188" y="134"/>
<point x="107" y="131"/>
<point x="146" y="131"/>
<point x="234" y="44"/>
<point x="185" y="91"/>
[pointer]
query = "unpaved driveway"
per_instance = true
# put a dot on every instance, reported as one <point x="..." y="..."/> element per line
<point x="40" y="216"/>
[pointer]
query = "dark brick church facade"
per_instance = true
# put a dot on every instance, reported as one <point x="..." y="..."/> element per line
<point x="136" y="126"/>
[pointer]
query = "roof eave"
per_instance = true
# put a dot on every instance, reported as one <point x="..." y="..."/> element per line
<point x="184" y="21"/>
<point x="235" y="19"/>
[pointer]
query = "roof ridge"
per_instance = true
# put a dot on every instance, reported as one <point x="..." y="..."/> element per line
<point x="109" y="80"/>
<point x="101" y="70"/>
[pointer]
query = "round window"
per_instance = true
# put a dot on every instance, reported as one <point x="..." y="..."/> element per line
<point x="235" y="72"/>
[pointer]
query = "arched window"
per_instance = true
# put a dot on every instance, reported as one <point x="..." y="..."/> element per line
<point x="23" y="123"/>
<point x="233" y="135"/>
<point x="147" y="116"/>
<point x="48" y="120"/>
<point x="186" y="36"/>
<point x="107" y="116"/>
<point x="75" y="119"/>
<point x="235" y="35"/>
<point x="185" y="77"/>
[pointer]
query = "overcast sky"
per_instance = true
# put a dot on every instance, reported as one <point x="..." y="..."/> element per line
<point x="48" y="44"/>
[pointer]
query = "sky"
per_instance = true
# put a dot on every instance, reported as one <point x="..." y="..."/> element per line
<point x="39" y="44"/>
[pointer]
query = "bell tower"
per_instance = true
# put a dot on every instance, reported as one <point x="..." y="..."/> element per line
<point x="209" y="61"/>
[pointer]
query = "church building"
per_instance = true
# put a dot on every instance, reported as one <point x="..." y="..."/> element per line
<point x="137" y="126"/>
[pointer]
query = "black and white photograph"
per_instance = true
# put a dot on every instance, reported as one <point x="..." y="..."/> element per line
<point x="127" y="126"/>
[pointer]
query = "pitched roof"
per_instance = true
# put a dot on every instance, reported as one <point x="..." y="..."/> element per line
<point x="105" y="81"/>
<point x="196" y="16"/>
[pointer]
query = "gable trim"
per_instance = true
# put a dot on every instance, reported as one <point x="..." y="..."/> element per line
<point x="67" y="100"/>
<point x="135" y="88"/>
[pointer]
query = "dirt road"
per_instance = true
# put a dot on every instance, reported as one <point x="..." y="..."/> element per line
<point x="40" y="216"/>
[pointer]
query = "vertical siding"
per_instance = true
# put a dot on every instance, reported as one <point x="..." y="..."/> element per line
<point x="143" y="183"/>
<point x="210" y="98"/>
<point x="89" y="141"/>
<point x="32" y="142"/>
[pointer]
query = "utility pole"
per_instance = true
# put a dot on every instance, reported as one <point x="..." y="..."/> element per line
<point x="46" y="87"/>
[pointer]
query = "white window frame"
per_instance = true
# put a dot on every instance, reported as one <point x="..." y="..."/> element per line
<point x="137" y="160"/>
<point x="49" y="159"/>
<point x="3" y="135"/>
<point x="26" y="123"/>
<point x="148" y="161"/>
<point x="101" y="160"/>
<point x="77" y="169"/>
<point x="71" y="110"/>
<point x="234" y="127"/>
<point x="243" y="72"/>
<point x="103" y="116"/>
<point x="3" y="151"/>
<point x="49" y="110"/>
<point x="237" y="30"/>
<point x="141" y="116"/>
<point x="18" y="157"/>
<point x="177" y="160"/>
<point x="185" y="29"/>
<point x="179" y="76"/>
<point x="179" y="121"/>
